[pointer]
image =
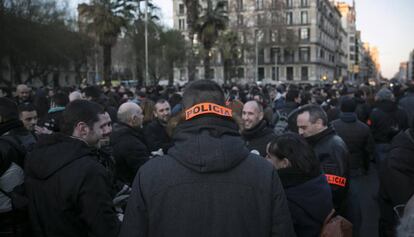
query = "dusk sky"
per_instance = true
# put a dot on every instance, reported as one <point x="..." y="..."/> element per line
<point x="384" y="23"/>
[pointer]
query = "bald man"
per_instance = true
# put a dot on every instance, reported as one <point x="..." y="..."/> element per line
<point x="256" y="131"/>
<point x="75" y="95"/>
<point x="23" y="94"/>
<point x="127" y="139"/>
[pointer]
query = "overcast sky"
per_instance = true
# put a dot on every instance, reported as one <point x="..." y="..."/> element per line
<point x="386" y="24"/>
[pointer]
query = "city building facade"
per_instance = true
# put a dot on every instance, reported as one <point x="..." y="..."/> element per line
<point x="286" y="40"/>
<point x="410" y="67"/>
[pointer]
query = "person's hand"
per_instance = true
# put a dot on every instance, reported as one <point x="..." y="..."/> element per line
<point x="42" y="130"/>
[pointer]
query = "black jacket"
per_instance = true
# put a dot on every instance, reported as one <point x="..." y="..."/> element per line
<point x="208" y="185"/>
<point x="357" y="137"/>
<point x="129" y="150"/>
<point x="387" y="120"/>
<point x="69" y="191"/>
<point x="258" y="137"/>
<point x="334" y="158"/>
<point x="397" y="176"/>
<point x="309" y="198"/>
<point x="157" y="137"/>
<point x="407" y="103"/>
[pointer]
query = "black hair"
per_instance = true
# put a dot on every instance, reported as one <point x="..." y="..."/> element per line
<point x="315" y="113"/>
<point x="60" y="99"/>
<point x="291" y="95"/>
<point x="80" y="111"/>
<point x="8" y="109"/>
<point x="348" y="105"/>
<point x="92" y="91"/>
<point x="299" y="153"/>
<point x="26" y="107"/>
<point x="203" y="91"/>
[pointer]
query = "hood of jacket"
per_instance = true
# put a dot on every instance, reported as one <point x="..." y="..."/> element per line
<point x="313" y="196"/>
<point x="208" y="144"/>
<point x="404" y="160"/>
<point x="260" y="130"/>
<point x="348" y="117"/>
<point x="387" y="106"/>
<point x="53" y="152"/>
<point x="10" y="125"/>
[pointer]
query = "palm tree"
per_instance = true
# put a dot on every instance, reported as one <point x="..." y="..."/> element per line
<point x="209" y="25"/>
<point x="192" y="7"/>
<point x="105" y="20"/>
<point x="230" y="47"/>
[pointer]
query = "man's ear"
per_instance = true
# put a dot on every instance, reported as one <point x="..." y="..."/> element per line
<point x="261" y="115"/>
<point x="81" y="130"/>
<point x="155" y="114"/>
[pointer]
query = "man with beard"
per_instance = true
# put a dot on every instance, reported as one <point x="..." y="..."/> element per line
<point x="155" y="132"/>
<point x="255" y="131"/>
<point x="68" y="189"/>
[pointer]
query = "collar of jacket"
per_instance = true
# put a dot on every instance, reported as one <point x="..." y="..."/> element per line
<point x="10" y="125"/>
<point x="255" y="131"/>
<point x="313" y="140"/>
<point x="218" y="125"/>
<point x="348" y="117"/>
<point x="291" y="176"/>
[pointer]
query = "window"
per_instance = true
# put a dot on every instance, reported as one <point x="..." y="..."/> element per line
<point x="259" y="4"/>
<point x="261" y="56"/>
<point x="304" y="74"/>
<point x="289" y="18"/>
<point x="239" y="5"/>
<point x="304" y="33"/>
<point x="275" y="73"/>
<point x="351" y="57"/>
<point x="289" y="56"/>
<point x="260" y="19"/>
<point x="352" y="48"/>
<point x="275" y="55"/>
<point x="289" y="3"/>
<point x="304" y="17"/>
<point x="240" y="20"/>
<point x="289" y="73"/>
<point x="240" y="72"/>
<point x="304" y="3"/>
<point x="322" y="53"/>
<point x="181" y="24"/>
<point x="182" y="74"/>
<point x="352" y="39"/>
<point x="275" y="4"/>
<point x="261" y="73"/>
<point x="181" y="8"/>
<point x="304" y="54"/>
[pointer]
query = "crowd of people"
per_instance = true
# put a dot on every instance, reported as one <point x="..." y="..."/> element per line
<point x="205" y="159"/>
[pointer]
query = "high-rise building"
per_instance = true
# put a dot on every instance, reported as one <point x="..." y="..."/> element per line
<point x="286" y="40"/>
<point x="348" y="21"/>
<point x="410" y="67"/>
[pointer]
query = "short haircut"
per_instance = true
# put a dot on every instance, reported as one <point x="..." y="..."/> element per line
<point x="292" y="94"/>
<point x="299" y="153"/>
<point x="60" y="99"/>
<point x="348" y="105"/>
<point x="8" y="109"/>
<point x="92" y="91"/>
<point x="80" y="111"/>
<point x="315" y="113"/>
<point x="201" y="91"/>
<point x="259" y="105"/>
<point x="25" y="107"/>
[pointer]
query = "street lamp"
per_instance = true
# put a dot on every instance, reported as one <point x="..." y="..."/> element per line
<point x="146" y="43"/>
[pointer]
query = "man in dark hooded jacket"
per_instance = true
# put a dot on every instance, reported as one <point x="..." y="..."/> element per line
<point x="69" y="191"/>
<point x="396" y="180"/>
<point x="208" y="184"/>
